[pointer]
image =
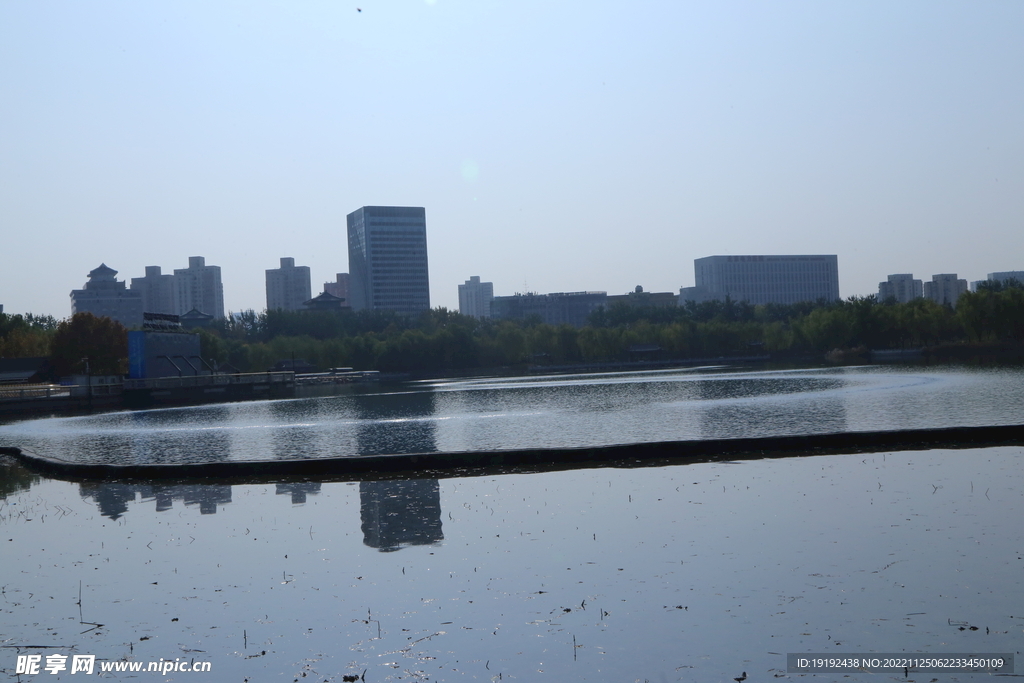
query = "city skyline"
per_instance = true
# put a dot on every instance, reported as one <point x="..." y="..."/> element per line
<point x="615" y="149"/>
<point x="687" y="292"/>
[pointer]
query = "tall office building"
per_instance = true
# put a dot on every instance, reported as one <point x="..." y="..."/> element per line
<point x="105" y="297"/>
<point x="945" y="288"/>
<point x="288" y="287"/>
<point x="902" y="287"/>
<point x="387" y="259"/>
<point x="764" y="279"/>
<point x="475" y="298"/>
<point x="199" y="287"/>
<point x="159" y="292"/>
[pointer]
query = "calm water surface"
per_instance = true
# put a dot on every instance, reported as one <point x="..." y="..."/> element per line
<point x="693" y="572"/>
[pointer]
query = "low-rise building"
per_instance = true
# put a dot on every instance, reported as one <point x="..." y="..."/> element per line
<point x="1007" y="275"/>
<point x="324" y="302"/>
<point x="558" y="308"/>
<point x="765" y="279"/>
<point x="638" y="298"/>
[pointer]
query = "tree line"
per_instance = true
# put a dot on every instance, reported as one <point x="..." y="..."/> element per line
<point x="440" y="340"/>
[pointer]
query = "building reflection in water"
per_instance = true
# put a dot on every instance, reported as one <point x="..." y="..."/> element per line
<point x="298" y="490"/>
<point x="400" y="513"/>
<point x="112" y="499"/>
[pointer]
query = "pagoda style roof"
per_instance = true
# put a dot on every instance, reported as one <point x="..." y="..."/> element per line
<point x="324" y="297"/>
<point x="195" y="314"/>
<point x="103" y="272"/>
<point x="324" y="302"/>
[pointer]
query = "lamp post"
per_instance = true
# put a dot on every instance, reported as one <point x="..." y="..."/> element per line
<point x="88" y="381"/>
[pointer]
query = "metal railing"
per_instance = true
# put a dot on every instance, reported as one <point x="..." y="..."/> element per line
<point x="209" y="380"/>
<point x="22" y="391"/>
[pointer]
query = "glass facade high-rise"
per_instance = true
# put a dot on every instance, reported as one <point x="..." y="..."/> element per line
<point x="387" y="259"/>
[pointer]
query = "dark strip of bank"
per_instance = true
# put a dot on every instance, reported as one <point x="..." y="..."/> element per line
<point x="482" y="463"/>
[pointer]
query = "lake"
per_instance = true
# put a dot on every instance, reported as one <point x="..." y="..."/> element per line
<point x="537" y="412"/>
<point x="696" y="572"/>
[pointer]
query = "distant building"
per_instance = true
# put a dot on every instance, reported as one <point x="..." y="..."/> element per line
<point x="288" y="287"/>
<point x="339" y="288"/>
<point x="199" y="287"/>
<point x="159" y="292"/>
<point x="765" y="279"/>
<point x="1002" y="276"/>
<point x="23" y="370"/>
<point x="475" y="297"/>
<point x="945" y="288"/>
<point x="323" y="302"/>
<point x="195" y="319"/>
<point x="559" y="308"/>
<point x="903" y="288"/>
<point x="638" y="298"/>
<point x="387" y="259"/>
<point x="105" y="297"/>
<point x="697" y="295"/>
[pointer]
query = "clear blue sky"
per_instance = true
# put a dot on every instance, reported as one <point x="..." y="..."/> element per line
<point x="556" y="146"/>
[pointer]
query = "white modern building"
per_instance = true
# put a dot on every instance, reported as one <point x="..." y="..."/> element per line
<point x="902" y="287"/>
<point x="105" y="297"/>
<point x="945" y="288"/>
<point x="764" y="279"/>
<point x="159" y="292"/>
<point x="199" y="287"/>
<point x="288" y="287"/>
<point x="1004" y="276"/>
<point x="387" y="259"/>
<point x="475" y="297"/>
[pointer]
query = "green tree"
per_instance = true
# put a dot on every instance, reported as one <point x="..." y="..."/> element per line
<point x="84" y="339"/>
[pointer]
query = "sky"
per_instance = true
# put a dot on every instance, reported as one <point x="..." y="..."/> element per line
<point x="556" y="146"/>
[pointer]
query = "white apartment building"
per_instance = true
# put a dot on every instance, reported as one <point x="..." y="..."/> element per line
<point x="288" y="287"/>
<point x="159" y="292"/>
<point x="764" y="279"/>
<point x="902" y="287"/>
<point x="945" y="288"/>
<point x="199" y="287"/>
<point x="475" y="297"/>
